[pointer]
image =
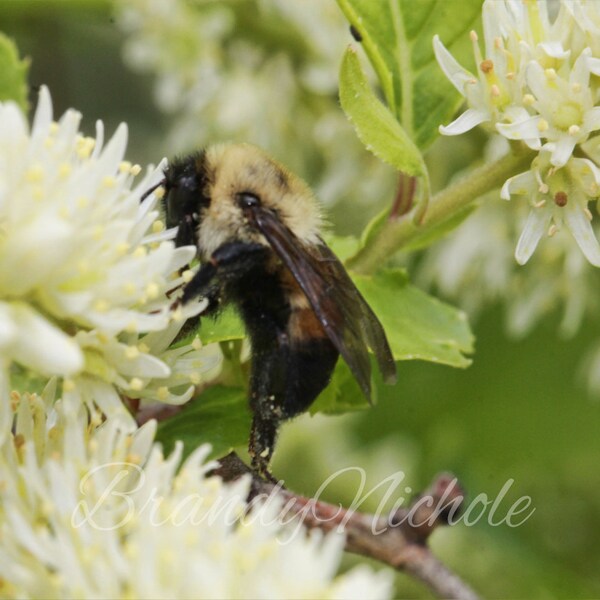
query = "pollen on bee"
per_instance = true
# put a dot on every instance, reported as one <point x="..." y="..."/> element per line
<point x="136" y="384"/>
<point x="158" y="226"/>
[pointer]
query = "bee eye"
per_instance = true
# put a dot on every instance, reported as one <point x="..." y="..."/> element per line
<point x="248" y="200"/>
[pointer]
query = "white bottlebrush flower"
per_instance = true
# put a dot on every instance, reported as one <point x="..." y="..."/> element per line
<point x="515" y="33"/>
<point x="474" y="267"/>
<point x="557" y="197"/>
<point x="532" y="85"/>
<point x="96" y="511"/>
<point x="566" y="114"/>
<point x="215" y="82"/>
<point x="83" y="265"/>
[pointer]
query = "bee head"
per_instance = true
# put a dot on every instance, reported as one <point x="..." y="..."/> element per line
<point x="184" y="199"/>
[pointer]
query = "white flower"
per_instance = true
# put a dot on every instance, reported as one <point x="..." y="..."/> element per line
<point x="558" y="197"/>
<point x="96" y="511"/>
<point x="217" y="82"/>
<point x="566" y="112"/>
<point x="515" y="33"/>
<point x="532" y="85"/>
<point x="84" y="266"/>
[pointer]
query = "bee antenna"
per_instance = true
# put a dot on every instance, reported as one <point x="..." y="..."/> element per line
<point x="152" y="189"/>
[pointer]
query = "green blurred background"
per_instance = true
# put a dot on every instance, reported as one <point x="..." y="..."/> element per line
<point x="519" y="412"/>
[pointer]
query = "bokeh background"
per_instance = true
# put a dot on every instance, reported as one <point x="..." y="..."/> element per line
<point x="187" y="74"/>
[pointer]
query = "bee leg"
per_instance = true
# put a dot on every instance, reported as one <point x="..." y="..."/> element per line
<point x="262" y="445"/>
<point x="227" y="260"/>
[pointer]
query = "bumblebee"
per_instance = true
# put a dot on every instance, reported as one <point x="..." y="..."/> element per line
<point x="257" y="230"/>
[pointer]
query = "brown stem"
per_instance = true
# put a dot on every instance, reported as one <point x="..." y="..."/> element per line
<point x="398" y="540"/>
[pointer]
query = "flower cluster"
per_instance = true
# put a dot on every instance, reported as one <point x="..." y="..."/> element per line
<point x="85" y="268"/>
<point x="205" y="57"/>
<point x="94" y="510"/>
<point x="537" y="84"/>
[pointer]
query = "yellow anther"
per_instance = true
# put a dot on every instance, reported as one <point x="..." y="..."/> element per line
<point x="68" y="385"/>
<point x="136" y="384"/>
<point x="187" y="275"/>
<point x="101" y="305"/>
<point x="152" y="290"/>
<point x="135" y="170"/>
<point x="528" y="99"/>
<point x="543" y="125"/>
<point x="132" y="352"/>
<point x="64" y="170"/>
<point x="158" y="226"/>
<point x="35" y="174"/>
<point x="109" y="181"/>
<point x="140" y="252"/>
<point x="125" y="166"/>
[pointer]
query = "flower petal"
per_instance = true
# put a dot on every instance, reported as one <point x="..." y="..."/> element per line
<point x="591" y="119"/>
<point x="523" y="184"/>
<point x="457" y="74"/>
<point x="469" y="119"/>
<point x="522" y="130"/>
<point x="582" y="231"/>
<point x="562" y="150"/>
<point x="43" y="347"/>
<point x="535" y="225"/>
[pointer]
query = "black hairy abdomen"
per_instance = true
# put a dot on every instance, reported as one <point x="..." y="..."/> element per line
<point x="287" y="373"/>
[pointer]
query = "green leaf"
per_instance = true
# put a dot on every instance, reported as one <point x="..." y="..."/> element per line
<point x="437" y="232"/>
<point x="418" y="326"/>
<point x="13" y="73"/>
<point x="219" y="416"/>
<point x="375" y="125"/>
<point x="226" y="327"/>
<point x="342" y="395"/>
<point x="396" y="36"/>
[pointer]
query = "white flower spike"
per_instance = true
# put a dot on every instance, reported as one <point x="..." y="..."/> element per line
<point x="535" y="85"/>
<point x="558" y="197"/>
<point x="84" y="267"/>
<point x="81" y="500"/>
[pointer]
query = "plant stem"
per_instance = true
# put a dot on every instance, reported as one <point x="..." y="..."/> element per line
<point x="396" y="233"/>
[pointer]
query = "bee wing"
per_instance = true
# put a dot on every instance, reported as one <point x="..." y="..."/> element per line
<point x="345" y="315"/>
